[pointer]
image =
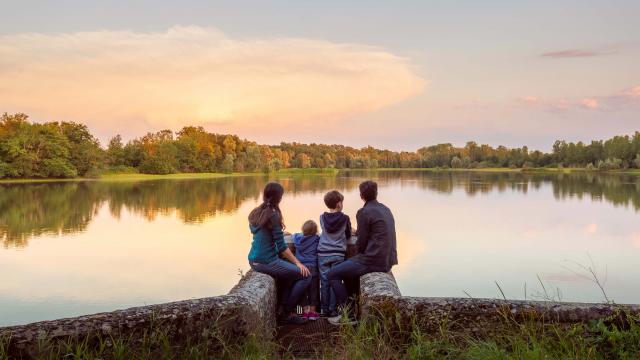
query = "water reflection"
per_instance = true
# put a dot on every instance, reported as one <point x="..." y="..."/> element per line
<point x="31" y="210"/>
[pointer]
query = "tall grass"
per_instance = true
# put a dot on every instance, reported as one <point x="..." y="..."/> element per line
<point x="384" y="337"/>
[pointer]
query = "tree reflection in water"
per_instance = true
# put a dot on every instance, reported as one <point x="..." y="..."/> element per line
<point x="30" y="210"/>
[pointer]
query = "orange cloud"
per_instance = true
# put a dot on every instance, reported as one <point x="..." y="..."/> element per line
<point x="590" y="103"/>
<point x="529" y="99"/>
<point x="194" y="75"/>
<point x="633" y="92"/>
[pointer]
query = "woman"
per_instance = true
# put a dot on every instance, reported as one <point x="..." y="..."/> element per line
<point x="267" y="226"/>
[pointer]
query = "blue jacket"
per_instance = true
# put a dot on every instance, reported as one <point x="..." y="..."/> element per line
<point x="267" y="242"/>
<point x="306" y="248"/>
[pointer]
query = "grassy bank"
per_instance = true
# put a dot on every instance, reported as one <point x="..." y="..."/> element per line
<point x="385" y="338"/>
<point x="311" y="171"/>
<point x="507" y="170"/>
<point x="140" y="177"/>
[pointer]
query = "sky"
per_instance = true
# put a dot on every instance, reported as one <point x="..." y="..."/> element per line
<point x="397" y="75"/>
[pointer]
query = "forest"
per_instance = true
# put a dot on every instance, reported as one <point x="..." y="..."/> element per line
<point x="68" y="149"/>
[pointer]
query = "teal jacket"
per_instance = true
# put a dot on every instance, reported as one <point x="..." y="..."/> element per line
<point x="267" y="242"/>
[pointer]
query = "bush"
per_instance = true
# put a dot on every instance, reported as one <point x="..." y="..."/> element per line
<point x="153" y="165"/>
<point x="58" y="167"/>
<point x="456" y="163"/>
<point x="609" y="164"/>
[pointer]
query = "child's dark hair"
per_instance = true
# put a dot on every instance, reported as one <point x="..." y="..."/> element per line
<point x="271" y="196"/>
<point x="369" y="190"/>
<point x="332" y="198"/>
<point x="309" y="228"/>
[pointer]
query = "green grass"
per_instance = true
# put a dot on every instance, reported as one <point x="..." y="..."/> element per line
<point x="129" y="176"/>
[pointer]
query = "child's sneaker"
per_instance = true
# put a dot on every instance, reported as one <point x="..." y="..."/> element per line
<point x="339" y="320"/>
<point x="312" y="315"/>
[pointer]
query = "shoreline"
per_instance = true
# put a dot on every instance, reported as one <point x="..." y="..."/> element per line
<point x="114" y="177"/>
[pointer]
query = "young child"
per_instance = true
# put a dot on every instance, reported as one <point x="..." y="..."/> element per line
<point x="307" y="252"/>
<point x="336" y="230"/>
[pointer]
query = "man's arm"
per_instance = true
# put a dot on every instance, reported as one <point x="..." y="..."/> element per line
<point x="363" y="230"/>
<point x="347" y="231"/>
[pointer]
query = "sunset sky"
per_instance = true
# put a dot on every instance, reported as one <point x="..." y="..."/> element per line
<point x="392" y="74"/>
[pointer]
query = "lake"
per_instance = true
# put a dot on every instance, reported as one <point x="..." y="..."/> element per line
<point x="73" y="248"/>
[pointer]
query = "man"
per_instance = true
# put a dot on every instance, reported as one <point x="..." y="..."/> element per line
<point x="376" y="246"/>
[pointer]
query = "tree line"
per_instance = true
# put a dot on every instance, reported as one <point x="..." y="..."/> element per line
<point x="68" y="149"/>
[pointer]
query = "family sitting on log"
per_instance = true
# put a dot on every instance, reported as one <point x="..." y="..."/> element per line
<point x="321" y="272"/>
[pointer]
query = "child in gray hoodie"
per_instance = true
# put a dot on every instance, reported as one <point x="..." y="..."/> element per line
<point x="332" y="247"/>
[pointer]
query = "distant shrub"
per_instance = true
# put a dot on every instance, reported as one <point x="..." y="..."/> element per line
<point x="58" y="168"/>
<point x="590" y="167"/>
<point x="153" y="165"/>
<point x="636" y="162"/>
<point x="456" y="163"/>
<point x="120" y="169"/>
<point x="609" y="164"/>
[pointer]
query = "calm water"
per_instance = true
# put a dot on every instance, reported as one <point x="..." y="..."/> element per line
<point x="76" y="248"/>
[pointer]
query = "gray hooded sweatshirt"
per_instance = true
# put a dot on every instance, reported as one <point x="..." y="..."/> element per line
<point x="336" y="230"/>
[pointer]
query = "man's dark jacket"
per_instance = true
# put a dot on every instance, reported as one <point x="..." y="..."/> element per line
<point x="376" y="237"/>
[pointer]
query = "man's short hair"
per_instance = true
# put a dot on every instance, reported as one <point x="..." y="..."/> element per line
<point x="332" y="198"/>
<point x="309" y="228"/>
<point x="369" y="190"/>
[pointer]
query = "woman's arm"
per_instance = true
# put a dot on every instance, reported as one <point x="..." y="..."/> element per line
<point x="289" y="256"/>
<point x="281" y="246"/>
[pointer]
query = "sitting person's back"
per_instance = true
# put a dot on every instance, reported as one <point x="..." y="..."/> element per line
<point x="332" y="248"/>
<point x="336" y="230"/>
<point x="306" y="244"/>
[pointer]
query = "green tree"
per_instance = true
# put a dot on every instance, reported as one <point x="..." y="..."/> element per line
<point x="456" y="163"/>
<point x="85" y="153"/>
<point x="227" y="164"/>
<point x="115" y="155"/>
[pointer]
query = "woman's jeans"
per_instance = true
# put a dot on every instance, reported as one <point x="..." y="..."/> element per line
<point x="347" y="270"/>
<point x="327" y="295"/>
<point x="312" y="295"/>
<point x="295" y="285"/>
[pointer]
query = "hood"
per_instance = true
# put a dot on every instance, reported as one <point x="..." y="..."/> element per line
<point x="254" y="228"/>
<point x="334" y="222"/>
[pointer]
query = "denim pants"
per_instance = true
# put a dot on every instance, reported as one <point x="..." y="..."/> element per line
<point x="312" y="295"/>
<point x="295" y="285"/>
<point x="346" y="271"/>
<point x="327" y="295"/>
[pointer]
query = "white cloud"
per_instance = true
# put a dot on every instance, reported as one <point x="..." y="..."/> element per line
<point x="122" y="80"/>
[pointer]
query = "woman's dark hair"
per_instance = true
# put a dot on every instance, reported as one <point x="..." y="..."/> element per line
<point x="369" y="190"/>
<point x="271" y="196"/>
